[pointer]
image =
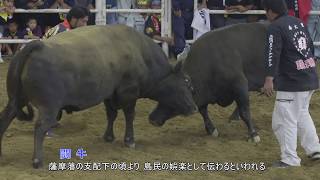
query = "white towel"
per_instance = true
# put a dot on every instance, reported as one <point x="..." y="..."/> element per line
<point x="201" y="22"/>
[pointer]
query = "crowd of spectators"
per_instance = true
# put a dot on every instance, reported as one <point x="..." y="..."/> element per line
<point x="34" y="26"/>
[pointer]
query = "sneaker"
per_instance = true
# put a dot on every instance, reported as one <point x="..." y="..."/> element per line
<point x="280" y="164"/>
<point x="183" y="55"/>
<point x="1" y="60"/>
<point x="315" y="156"/>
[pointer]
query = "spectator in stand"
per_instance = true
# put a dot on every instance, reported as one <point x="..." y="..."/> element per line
<point x="123" y="18"/>
<point x="35" y="4"/>
<point x="237" y="6"/>
<point x="53" y="19"/>
<point x="32" y="31"/>
<point x="200" y="24"/>
<point x="11" y="32"/>
<point x="89" y="5"/>
<point x="22" y="19"/>
<point x="186" y="9"/>
<point x="153" y="26"/>
<point x="314" y="26"/>
<point x="136" y="20"/>
<point x="156" y="4"/>
<point x="256" y="6"/>
<point x="6" y="11"/>
<point x="76" y="17"/>
<point x="84" y="3"/>
<point x="201" y="20"/>
<point x="216" y="20"/>
<point x="181" y="24"/>
<point x="61" y="4"/>
<point x="112" y="18"/>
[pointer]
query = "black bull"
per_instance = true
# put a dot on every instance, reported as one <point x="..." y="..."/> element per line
<point x="78" y="69"/>
<point x="223" y="66"/>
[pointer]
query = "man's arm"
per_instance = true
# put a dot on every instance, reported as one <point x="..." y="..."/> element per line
<point x="274" y="48"/>
<point x="51" y="32"/>
<point x="273" y="53"/>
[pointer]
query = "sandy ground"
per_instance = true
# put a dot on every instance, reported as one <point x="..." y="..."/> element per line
<point x="182" y="139"/>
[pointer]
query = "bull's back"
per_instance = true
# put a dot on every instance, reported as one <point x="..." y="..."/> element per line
<point x="104" y="44"/>
<point x="116" y="46"/>
<point x="228" y="52"/>
<point x="82" y="67"/>
<point x="86" y="65"/>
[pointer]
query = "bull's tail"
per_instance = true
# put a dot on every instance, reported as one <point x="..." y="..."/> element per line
<point x="17" y="100"/>
<point x="6" y="117"/>
<point x="14" y="87"/>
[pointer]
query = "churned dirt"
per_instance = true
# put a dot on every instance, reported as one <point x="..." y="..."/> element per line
<point x="182" y="139"/>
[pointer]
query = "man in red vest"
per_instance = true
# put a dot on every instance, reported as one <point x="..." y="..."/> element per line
<point x="76" y="17"/>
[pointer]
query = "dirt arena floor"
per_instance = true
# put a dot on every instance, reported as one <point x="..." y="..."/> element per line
<point x="182" y="139"/>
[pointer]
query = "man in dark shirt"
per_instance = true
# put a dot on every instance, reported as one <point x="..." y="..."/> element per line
<point x="181" y="23"/>
<point x="238" y="6"/>
<point x="290" y="64"/>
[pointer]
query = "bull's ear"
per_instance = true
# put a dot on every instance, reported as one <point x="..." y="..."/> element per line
<point x="178" y="66"/>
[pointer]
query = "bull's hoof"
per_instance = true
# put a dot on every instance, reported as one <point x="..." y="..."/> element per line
<point x="108" y="139"/>
<point x="130" y="145"/>
<point x="210" y="129"/>
<point x="129" y="142"/>
<point x="255" y="139"/>
<point x="156" y="123"/>
<point x="37" y="163"/>
<point x="215" y="133"/>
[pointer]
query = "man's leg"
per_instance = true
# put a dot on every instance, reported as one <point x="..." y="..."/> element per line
<point x="284" y="125"/>
<point x="306" y="129"/>
<point x="178" y="31"/>
<point x="188" y="17"/>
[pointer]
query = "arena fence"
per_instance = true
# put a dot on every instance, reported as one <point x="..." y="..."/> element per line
<point x="165" y="12"/>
